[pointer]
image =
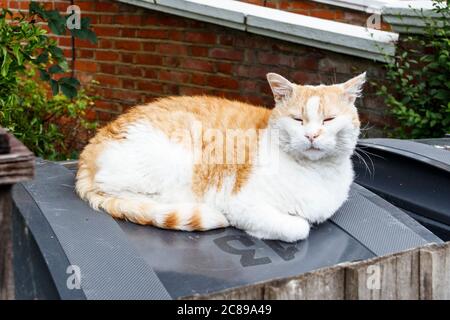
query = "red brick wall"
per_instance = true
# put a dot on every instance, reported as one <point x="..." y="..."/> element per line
<point x="143" y="54"/>
<point x="319" y="10"/>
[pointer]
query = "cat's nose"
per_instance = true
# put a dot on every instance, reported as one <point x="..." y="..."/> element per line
<point x="312" y="136"/>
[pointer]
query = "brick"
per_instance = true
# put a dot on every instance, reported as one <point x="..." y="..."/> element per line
<point x="104" y="19"/>
<point x="172" y="49"/>
<point x="62" y="5"/>
<point x="150" y="19"/>
<point x="89" y="66"/>
<point x="150" y="74"/>
<point x="222" y="82"/>
<point x="301" y="77"/>
<point x="147" y="46"/>
<point x="198" y="79"/>
<point x="105" y="44"/>
<point x="65" y="41"/>
<point x="224" y="67"/>
<point x="84" y="44"/>
<point x="150" y="86"/>
<point x="226" y="54"/>
<point x="148" y="59"/>
<point x="170" y="21"/>
<point x="85" y="54"/>
<point x="192" y="91"/>
<point x="92" y="17"/>
<point x="127" y="45"/>
<point x="200" y="37"/>
<point x="106" y="7"/>
<point x="252" y="71"/>
<point x="126" y="95"/>
<point x="226" y="40"/>
<point x="275" y="59"/>
<point x="125" y="70"/>
<point x="152" y="33"/>
<point x="107" y="55"/>
<point x="324" y="14"/>
<point x="171" y="61"/>
<point x="307" y="63"/>
<point x="107" y="31"/>
<point x="174" y="76"/>
<point x="107" y="68"/>
<point x="199" y="51"/>
<point x="108" y="80"/>
<point x="249" y="86"/>
<point x="127" y="58"/>
<point x="132" y="20"/>
<point x="200" y="65"/>
<point x="128" y="83"/>
<point x="176" y="35"/>
<point x="258" y="101"/>
<point x="172" y="89"/>
<point x="305" y="5"/>
<point x="128" y="33"/>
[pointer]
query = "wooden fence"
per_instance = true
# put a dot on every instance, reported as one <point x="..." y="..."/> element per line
<point x="421" y="273"/>
<point x="16" y="165"/>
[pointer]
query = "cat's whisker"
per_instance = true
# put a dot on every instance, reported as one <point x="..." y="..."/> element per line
<point x="361" y="158"/>
<point x="362" y="149"/>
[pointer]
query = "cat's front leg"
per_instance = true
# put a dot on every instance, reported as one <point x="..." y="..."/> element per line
<point x="266" y="222"/>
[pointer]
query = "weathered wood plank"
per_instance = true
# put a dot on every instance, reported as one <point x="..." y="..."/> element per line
<point x="420" y="273"/>
<point x="4" y="142"/>
<point x="6" y="250"/>
<point x="18" y="164"/>
<point x="392" y="277"/>
<point x="323" y="284"/>
<point x="435" y="272"/>
<point x="251" y="292"/>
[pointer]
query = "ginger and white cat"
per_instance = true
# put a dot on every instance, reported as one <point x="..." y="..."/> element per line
<point x="139" y="169"/>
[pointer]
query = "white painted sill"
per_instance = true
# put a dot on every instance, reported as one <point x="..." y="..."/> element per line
<point x="403" y="16"/>
<point x="311" y="31"/>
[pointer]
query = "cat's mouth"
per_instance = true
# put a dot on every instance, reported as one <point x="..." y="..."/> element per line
<point x="312" y="148"/>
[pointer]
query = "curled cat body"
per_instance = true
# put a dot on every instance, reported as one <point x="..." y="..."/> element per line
<point x="175" y="163"/>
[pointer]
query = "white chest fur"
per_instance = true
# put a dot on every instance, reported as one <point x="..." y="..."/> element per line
<point x="313" y="190"/>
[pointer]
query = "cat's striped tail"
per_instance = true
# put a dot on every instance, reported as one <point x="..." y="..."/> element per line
<point x="145" y="211"/>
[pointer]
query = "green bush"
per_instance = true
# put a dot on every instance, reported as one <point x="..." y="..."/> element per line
<point x="45" y="124"/>
<point x="417" y="86"/>
<point x="31" y="64"/>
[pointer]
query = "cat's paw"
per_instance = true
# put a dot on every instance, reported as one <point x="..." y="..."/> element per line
<point x="297" y="229"/>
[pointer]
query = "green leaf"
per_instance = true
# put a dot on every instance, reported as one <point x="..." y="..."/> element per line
<point x="56" y="52"/>
<point x="68" y="90"/>
<point x="55" y="86"/>
<point x="69" y="81"/>
<point x="42" y="58"/>
<point x="44" y="75"/>
<point x="55" y="69"/>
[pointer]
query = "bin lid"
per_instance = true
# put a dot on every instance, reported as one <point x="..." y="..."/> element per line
<point x="122" y="260"/>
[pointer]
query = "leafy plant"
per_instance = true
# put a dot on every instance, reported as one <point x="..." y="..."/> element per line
<point x="417" y="84"/>
<point x="32" y="66"/>
<point x="47" y="125"/>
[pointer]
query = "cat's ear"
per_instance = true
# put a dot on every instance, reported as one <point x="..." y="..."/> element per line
<point x="353" y="87"/>
<point x="281" y="87"/>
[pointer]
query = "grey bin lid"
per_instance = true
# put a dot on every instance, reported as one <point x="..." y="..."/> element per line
<point x="122" y="260"/>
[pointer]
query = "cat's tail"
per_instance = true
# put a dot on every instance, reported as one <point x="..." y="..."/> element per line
<point x="145" y="211"/>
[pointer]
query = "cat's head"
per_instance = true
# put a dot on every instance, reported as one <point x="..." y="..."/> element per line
<point x="316" y="122"/>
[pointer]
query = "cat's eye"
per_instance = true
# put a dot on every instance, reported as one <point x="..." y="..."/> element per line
<point x="298" y="119"/>
<point x="328" y="119"/>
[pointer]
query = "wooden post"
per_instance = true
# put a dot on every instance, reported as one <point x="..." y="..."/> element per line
<point x="420" y="273"/>
<point x="16" y="165"/>
<point x="435" y="272"/>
